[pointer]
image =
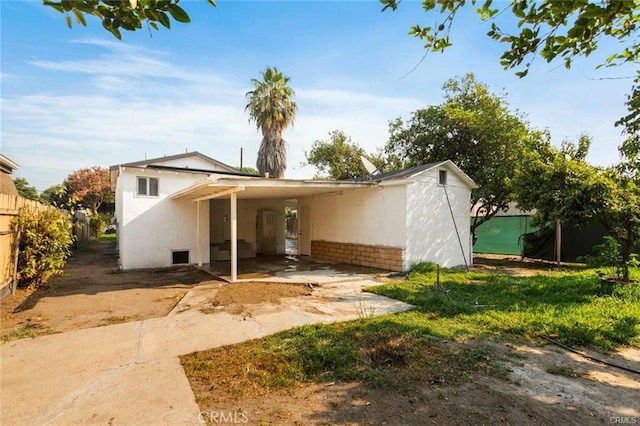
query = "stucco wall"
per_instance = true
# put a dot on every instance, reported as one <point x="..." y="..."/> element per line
<point x="374" y="217"/>
<point x="151" y="227"/>
<point x="431" y="235"/>
<point x="247" y="212"/>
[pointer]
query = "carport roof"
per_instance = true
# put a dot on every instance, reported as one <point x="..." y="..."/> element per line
<point x="217" y="186"/>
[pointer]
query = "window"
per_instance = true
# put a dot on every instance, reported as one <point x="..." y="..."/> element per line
<point x="148" y="187"/>
<point x="180" y="257"/>
<point x="442" y="177"/>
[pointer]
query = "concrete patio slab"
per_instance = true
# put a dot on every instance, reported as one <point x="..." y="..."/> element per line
<point x="129" y="373"/>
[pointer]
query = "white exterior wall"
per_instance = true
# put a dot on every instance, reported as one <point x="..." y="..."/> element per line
<point x="247" y="216"/>
<point x="431" y="235"/>
<point x="151" y="227"/>
<point x="366" y="216"/>
<point x="119" y="213"/>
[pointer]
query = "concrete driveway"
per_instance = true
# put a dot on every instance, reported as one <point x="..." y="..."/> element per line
<point x="130" y="374"/>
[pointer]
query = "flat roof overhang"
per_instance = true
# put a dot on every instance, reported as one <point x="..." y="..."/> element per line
<point x="264" y="188"/>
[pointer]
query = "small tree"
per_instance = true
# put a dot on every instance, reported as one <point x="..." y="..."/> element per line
<point x="90" y="186"/>
<point x="56" y="195"/>
<point x="45" y="237"/>
<point x="561" y="185"/>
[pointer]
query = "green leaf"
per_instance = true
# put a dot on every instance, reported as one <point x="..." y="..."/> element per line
<point x="80" y="17"/>
<point x="67" y="18"/>
<point x="213" y="3"/>
<point x="164" y="20"/>
<point x="54" y="5"/>
<point x="179" y="14"/>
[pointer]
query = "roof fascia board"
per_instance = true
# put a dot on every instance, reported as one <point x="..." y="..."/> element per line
<point x="220" y="194"/>
<point x="451" y="166"/>
<point x="396" y="182"/>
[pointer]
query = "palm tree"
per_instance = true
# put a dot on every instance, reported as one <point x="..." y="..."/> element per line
<point x="272" y="107"/>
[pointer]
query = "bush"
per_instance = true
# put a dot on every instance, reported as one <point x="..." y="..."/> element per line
<point x="45" y="237"/>
<point x="607" y="258"/>
<point x="99" y="224"/>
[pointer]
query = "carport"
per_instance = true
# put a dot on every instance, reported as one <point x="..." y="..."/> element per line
<point x="234" y="188"/>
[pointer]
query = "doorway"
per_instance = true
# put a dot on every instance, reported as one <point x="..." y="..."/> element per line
<point x="304" y="231"/>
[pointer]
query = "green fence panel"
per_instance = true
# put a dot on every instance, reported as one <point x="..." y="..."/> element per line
<point x="501" y="235"/>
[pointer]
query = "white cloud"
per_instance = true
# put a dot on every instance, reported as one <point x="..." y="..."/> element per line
<point x="139" y="103"/>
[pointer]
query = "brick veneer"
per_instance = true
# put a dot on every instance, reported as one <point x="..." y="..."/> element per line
<point x="387" y="258"/>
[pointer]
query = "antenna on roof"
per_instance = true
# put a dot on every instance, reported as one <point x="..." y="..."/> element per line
<point x="371" y="168"/>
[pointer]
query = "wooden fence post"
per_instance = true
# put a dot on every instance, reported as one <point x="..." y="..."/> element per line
<point x="14" y="281"/>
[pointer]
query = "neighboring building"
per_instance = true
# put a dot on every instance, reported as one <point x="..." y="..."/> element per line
<point x="192" y="209"/>
<point x="7" y="167"/>
<point x="8" y="210"/>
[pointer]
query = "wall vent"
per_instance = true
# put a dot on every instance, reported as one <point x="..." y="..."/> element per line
<point x="180" y="257"/>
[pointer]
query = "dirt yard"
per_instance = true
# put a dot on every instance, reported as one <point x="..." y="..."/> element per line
<point x="579" y="392"/>
<point x="547" y="384"/>
<point x="93" y="292"/>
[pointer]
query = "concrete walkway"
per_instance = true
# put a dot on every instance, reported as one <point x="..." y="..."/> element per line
<point x="130" y="374"/>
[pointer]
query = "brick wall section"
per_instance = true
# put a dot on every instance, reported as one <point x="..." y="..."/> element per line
<point x="387" y="258"/>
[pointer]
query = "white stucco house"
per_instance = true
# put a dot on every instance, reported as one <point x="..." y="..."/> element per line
<point x="192" y="209"/>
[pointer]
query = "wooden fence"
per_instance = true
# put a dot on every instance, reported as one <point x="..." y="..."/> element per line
<point x="10" y="207"/>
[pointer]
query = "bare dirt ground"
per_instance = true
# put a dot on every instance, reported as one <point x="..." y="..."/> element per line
<point x="93" y="292"/>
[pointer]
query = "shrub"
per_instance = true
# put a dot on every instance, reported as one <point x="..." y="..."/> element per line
<point x="45" y="237"/>
<point x="99" y="223"/>
<point x="607" y="258"/>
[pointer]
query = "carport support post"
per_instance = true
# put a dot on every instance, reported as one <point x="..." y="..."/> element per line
<point x="234" y="237"/>
<point x="198" y="251"/>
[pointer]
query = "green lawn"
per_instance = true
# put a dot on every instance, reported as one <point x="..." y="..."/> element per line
<point x="569" y="307"/>
<point x="445" y="339"/>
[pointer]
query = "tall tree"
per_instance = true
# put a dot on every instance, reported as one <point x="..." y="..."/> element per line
<point x="25" y="189"/>
<point x="271" y="106"/>
<point x="122" y="14"/>
<point x="90" y="186"/>
<point x="339" y="158"/>
<point x="475" y="129"/>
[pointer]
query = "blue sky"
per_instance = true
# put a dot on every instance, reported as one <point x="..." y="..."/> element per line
<point x="78" y="98"/>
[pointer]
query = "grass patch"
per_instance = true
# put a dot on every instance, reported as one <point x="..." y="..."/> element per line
<point x="565" y="371"/>
<point x="114" y="319"/>
<point x="567" y="306"/>
<point x="30" y="330"/>
<point x="380" y="352"/>
<point x="438" y="343"/>
<point x="107" y="237"/>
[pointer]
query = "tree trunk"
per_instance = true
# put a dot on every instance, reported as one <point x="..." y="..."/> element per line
<point x="272" y="155"/>
<point x="625" y="255"/>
